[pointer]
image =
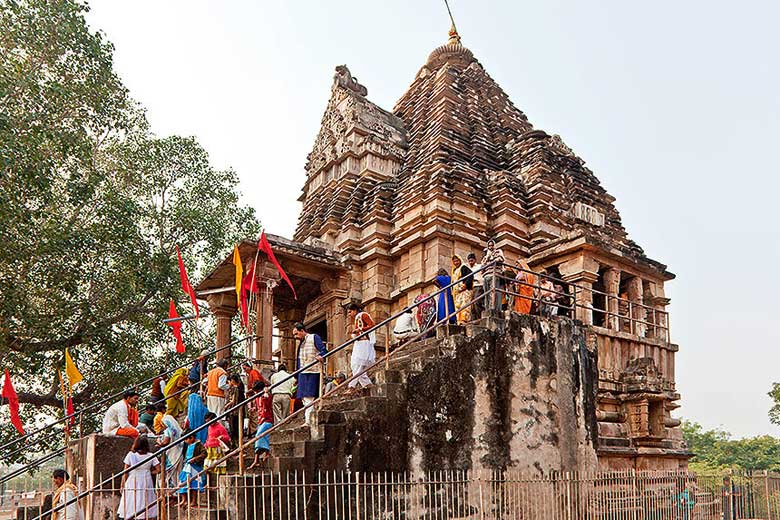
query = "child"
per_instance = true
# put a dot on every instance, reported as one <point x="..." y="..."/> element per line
<point x="235" y="396"/>
<point x="147" y="417"/>
<point x="264" y="403"/>
<point x="216" y="446"/>
<point x="159" y="427"/>
<point x="193" y="466"/>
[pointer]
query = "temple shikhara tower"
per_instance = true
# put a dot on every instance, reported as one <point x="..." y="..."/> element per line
<point x="390" y="195"/>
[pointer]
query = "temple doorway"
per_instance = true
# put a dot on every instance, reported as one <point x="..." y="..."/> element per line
<point x="321" y="329"/>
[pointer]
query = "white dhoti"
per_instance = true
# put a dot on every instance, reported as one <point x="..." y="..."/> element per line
<point x="363" y="356"/>
<point x="216" y="404"/>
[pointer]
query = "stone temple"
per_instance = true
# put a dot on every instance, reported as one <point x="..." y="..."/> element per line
<point x="388" y="198"/>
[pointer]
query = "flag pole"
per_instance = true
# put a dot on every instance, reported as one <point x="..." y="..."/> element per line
<point x="251" y="293"/>
<point x="65" y="396"/>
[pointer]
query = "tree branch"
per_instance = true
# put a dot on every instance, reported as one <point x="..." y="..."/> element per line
<point x="51" y="399"/>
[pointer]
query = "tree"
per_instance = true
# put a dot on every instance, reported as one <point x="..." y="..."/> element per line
<point x="91" y="208"/>
<point x="774" y="412"/>
<point x="714" y="449"/>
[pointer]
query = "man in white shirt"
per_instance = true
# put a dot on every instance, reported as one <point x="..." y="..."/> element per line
<point x="478" y="286"/>
<point x="405" y="327"/>
<point x="282" y="385"/>
<point x="122" y="417"/>
<point x="493" y="258"/>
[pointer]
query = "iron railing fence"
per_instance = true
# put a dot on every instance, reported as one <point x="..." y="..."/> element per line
<point x="61" y="452"/>
<point x="626" y="316"/>
<point x="96" y="407"/>
<point x="617" y="495"/>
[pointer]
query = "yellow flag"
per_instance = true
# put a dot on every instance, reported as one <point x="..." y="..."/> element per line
<point x="74" y="376"/>
<point x="239" y="273"/>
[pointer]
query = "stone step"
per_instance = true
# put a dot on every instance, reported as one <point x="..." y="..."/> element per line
<point x="295" y="449"/>
<point x="388" y="376"/>
<point x="391" y="391"/>
<point x="362" y="404"/>
<point x="293" y="433"/>
<point x="282" y="464"/>
<point x="326" y="416"/>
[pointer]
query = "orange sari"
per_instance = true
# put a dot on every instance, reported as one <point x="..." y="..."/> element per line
<point x="525" y="290"/>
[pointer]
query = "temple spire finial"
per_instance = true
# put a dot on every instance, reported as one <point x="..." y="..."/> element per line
<point x="454" y="37"/>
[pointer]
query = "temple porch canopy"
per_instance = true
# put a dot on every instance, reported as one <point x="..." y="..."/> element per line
<point x="313" y="271"/>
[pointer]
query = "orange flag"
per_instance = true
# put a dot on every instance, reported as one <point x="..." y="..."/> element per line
<point x="239" y="273"/>
<point x="185" y="283"/>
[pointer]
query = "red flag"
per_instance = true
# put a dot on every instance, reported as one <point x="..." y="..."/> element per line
<point x="176" y="326"/>
<point x="13" y="402"/>
<point x="185" y="283"/>
<point x="265" y="247"/>
<point x="71" y="411"/>
<point x="248" y="285"/>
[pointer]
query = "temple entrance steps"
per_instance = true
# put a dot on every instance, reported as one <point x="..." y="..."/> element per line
<point x="319" y="445"/>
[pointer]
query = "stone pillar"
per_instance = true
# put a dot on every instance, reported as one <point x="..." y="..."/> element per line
<point x="264" y="324"/>
<point x="223" y="306"/>
<point x="288" y="344"/>
<point x="638" y="313"/>
<point x="612" y="288"/>
<point x="582" y="271"/>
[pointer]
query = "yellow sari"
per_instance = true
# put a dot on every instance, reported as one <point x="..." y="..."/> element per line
<point x="460" y="293"/>
<point x="177" y="404"/>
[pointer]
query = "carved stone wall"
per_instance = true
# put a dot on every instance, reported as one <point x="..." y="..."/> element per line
<point x="455" y="163"/>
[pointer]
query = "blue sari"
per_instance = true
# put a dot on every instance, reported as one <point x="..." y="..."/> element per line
<point x="446" y="304"/>
<point x="190" y="473"/>
<point x="196" y="416"/>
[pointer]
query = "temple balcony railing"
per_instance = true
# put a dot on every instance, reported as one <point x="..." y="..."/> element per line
<point x="623" y="330"/>
<point x="576" y="301"/>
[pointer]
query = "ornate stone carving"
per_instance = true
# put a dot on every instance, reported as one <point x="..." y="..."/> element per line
<point x="345" y="79"/>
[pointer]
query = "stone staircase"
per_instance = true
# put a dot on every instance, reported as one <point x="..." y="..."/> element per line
<point x="320" y="445"/>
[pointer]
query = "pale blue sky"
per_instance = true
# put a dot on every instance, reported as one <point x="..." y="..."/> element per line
<point x="675" y="105"/>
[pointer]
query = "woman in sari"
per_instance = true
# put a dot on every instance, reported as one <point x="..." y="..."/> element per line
<point x="216" y="446"/>
<point x="426" y="312"/>
<point x="173" y="457"/>
<point x="525" y="282"/>
<point x="463" y="291"/>
<point x="176" y="396"/>
<point x="446" y="305"/>
<point x="191" y="482"/>
<point x="196" y="416"/>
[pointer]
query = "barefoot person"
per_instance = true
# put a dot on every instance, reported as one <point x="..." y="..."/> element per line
<point x="363" y="352"/>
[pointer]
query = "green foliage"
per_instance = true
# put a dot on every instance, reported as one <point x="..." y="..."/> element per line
<point x="91" y="208"/>
<point x="774" y="412"/>
<point x="715" y="450"/>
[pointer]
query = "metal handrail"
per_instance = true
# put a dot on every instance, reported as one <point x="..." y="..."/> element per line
<point x="115" y="395"/>
<point x="59" y="451"/>
<point x="384" y="359"/>
<point x="663" y="327"/>
<point x="238" y="406"/>
<point x="517" y="267"/>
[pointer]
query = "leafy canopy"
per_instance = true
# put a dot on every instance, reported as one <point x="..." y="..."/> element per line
<point x="91" y="208"/>
<point x="715" y="450"/>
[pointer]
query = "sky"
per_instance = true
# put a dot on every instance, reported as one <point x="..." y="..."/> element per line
<point x="675" y="106"/>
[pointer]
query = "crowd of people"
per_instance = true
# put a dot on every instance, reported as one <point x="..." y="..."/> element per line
<point x="180" y="403"/>
<point x="185" y="400"/>
<point x="517" y="289"/>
